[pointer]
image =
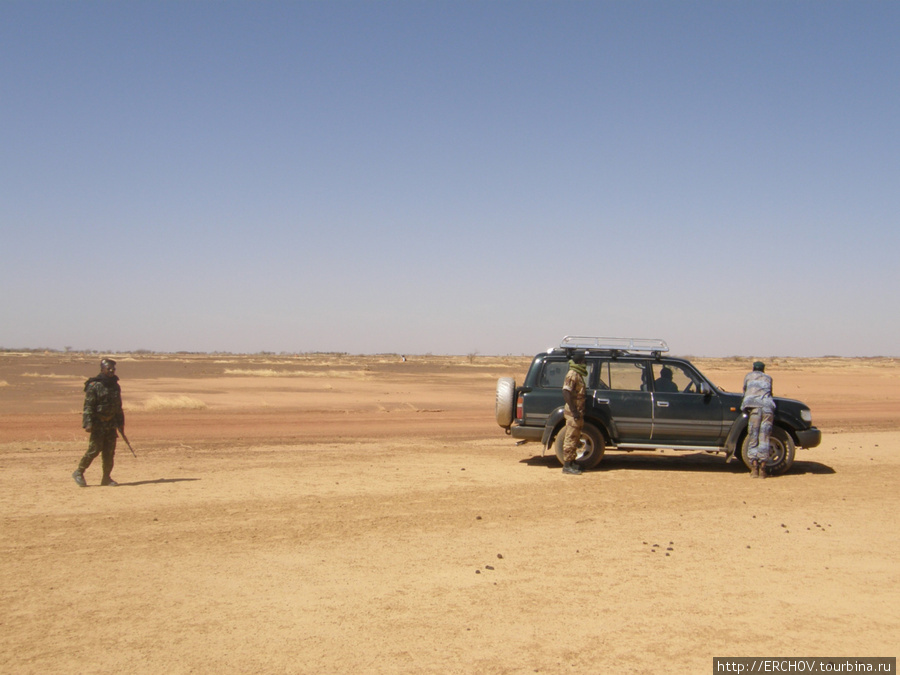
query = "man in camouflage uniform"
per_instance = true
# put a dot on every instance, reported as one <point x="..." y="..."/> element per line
<point x="759" y="406"/>
<point x="573" y="394"/>
<point x="102" y="416"/>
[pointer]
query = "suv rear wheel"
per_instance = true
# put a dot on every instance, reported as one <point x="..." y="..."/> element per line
<point x="781" y="452"/>
<point x="591" y="450"/>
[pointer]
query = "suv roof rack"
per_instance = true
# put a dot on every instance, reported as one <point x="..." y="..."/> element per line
<point x="613" y="344"/>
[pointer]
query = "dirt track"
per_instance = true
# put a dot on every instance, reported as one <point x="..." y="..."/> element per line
<point x="355" y="514"/>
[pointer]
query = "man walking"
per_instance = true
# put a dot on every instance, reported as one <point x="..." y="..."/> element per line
<point x="759" y="406"/>
<point x="102" y="416"/>
<point x="573" y="393"/>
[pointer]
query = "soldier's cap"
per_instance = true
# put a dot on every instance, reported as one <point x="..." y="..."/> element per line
<point x="107" y="363"/>
<point x="759" y="365"/>
<point x="578" y="356"/>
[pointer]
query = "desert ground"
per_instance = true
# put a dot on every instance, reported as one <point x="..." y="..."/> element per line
<point x="328" y="513"/>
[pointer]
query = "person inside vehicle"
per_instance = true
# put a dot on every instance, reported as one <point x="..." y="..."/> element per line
<point x="664" y="382"/>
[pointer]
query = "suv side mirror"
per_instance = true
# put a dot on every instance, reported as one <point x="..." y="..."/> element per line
<point x="705" y="389"/>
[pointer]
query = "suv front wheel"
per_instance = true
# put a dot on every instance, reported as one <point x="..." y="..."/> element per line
<point x="590" y="451"/>
<point x="781" y="452"/>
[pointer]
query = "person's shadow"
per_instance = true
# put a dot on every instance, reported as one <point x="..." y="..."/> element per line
<point x="158" y="481"/>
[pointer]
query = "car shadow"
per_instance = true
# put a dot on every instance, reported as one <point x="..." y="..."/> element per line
<point x="158" y="481"/>
<point x="696" y="462"/>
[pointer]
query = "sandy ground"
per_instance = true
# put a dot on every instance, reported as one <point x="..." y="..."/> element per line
<point x="337" y="514"/>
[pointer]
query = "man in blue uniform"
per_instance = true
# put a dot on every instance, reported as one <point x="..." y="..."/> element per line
<point x="759" y="406"/>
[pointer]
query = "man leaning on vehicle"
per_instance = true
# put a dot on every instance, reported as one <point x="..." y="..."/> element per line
<point x="759" y="406"/>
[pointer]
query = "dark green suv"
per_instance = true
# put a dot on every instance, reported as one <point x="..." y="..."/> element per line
<point x="640" y="399"/>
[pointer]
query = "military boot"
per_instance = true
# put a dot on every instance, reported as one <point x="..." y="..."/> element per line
<point x="108" y="481"/>
<point x="572" y="468"/>
<point x="762" y="468"/>
<point x="78" y="475"/>
<point x="754" y="469"/>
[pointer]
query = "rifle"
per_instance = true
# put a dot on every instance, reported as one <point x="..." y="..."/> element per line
<point x="125" y="438"/>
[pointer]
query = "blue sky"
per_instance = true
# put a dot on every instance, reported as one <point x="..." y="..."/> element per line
<point x="450" y="177"/>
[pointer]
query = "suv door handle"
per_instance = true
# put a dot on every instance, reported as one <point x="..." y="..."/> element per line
<point x="662" y="404"/>
<point x="601" y="400"/>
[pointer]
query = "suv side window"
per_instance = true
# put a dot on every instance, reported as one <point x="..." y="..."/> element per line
<point x="672" y="377"/>
<point x="553" y="374"/>
<point x="627" y="376"/>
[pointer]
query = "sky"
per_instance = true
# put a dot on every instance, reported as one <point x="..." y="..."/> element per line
<point x="423" y="176"/>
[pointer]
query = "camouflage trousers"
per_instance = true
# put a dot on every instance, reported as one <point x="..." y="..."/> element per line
<point x="759" y="430"/>
<point x="572" y="439"/>
<point x="103" y="443"/>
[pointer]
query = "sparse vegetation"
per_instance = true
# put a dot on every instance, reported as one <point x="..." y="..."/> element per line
<point x="160" y="403"/>
<point x="53" y="375"/>
<point x="268" y="372"/>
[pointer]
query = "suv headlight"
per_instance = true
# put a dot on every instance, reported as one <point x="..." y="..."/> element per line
<point x="806" y="415"/>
